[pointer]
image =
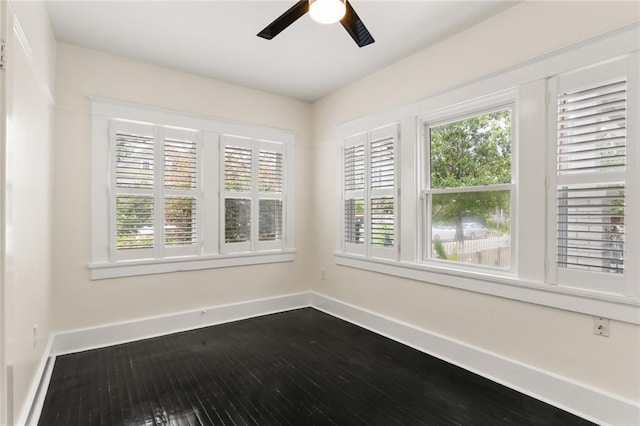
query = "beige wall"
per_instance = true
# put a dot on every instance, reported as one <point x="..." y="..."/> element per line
<point x="80" y="302"/>
<point x="557" y="341"/>
<point x="28" y="205"/>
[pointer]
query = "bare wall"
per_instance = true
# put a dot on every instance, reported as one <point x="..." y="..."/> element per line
<point x="80" y="302"/>
<point x="557" y="341"/>
<point x="27" y="200"/>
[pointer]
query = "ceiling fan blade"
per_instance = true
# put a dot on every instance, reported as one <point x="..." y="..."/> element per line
<point x="284" y="20"/>
<point x="355" y="27"/>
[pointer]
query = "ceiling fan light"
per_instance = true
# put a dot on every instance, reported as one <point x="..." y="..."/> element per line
<point x="327" y="11"/>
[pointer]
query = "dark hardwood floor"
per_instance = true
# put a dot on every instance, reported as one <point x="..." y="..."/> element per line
<point x="300" y="367"/>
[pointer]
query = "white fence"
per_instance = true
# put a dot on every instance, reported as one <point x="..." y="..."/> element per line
<point x="490" y="251"/>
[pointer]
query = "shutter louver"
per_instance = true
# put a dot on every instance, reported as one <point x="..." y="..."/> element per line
<point x="592" y="130"/>
<point x="134" y="161"/>
<point x="134" y="222"/>
<point x="180" y="164"/>
<point x="354" y="168"/>
<point x="180" y="221"/>
<point x="237" y="169"/>
<point x="591" y="227"/>
<point x="382" y="221"/>
<point x="354" y="220"/>
<point x="270" y="220"/>
<point x="270" y="171"/>
<point x="237" y="220"/>
<point x="382" y="164"/>
<point x="591" y="149"/>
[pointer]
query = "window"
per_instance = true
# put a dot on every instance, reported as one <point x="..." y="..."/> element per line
<point x="591" y="123"/>
<point x="469" y="188"/>
<point x="175" y="192"/>
<point x="523" y="185"/>
<point x="253" y="194"/>
<point x="154" y="220"/>
<point x="370" y="193"/>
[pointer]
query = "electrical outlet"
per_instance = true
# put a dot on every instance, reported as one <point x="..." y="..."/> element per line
<point x="601" y="326"/>
<point x="323" y="274"/>
<point x="35" y="334"/>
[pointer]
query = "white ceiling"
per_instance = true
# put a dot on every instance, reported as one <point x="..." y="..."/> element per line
<point x="218" y="39"/>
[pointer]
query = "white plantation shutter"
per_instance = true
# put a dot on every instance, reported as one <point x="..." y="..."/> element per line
<point x="133" y="190"/>
<point x="270" y="186"/>
<point x="354" y="193"/>
<point x="155" y="191"/>
<point x="180" y="192"/>
<point x="592" y="121"/>
<point x="382" y="187"/>
<point x="254" y="186"/>
<point x="238" y="183"/>
<point x="369" y="191"/>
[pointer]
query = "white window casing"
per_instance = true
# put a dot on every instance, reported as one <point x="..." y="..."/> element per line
<point x="502" y="101"/>
<point x="158" y="192"/>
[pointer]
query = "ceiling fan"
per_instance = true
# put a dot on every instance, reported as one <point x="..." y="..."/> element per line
<point x="325" y="12"/>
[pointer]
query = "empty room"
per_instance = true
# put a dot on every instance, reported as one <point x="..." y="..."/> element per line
<point x="319" y="212"/>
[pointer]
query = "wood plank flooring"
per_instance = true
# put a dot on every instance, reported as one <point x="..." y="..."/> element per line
<point x="300" y="367"/>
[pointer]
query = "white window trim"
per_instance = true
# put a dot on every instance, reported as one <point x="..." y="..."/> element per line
<point x="495" y="102"/>
<point x="208" y="254"/>
<point x="531" y="284"/>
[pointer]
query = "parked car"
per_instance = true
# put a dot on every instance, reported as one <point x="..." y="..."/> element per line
<point x="473" y="230"/>
<point x="441" y="232"/>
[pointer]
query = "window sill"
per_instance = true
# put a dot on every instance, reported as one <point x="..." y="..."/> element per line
<point x="505" y="285"/>
<point x="187" y="263"/>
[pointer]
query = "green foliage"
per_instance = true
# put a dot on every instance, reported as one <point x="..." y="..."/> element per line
<point x="472" y="152"/>
<point x="438" y="248"/>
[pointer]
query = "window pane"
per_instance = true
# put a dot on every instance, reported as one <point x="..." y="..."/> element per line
<point x="472" y="227"/>
<point x="134" y="161"/>
<point x="354" y="220"/>
<point x="134" y="222"/>
<point x="237" y="220"/>
<point x="270" y="171"/>
<point x="179" y="164"/>
<point x="471" y="152"/>
<point x="180" y="221"/>
<point x="270" y="221"/>
<point x="237" y="169"/>
<point x="382" y="221"/>
<point x="591" y="227"/>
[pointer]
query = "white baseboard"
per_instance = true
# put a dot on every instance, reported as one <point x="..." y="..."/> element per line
<point x="38" y="388"/>
<point x="580" y="399"/>
<point x="574" y="397"/>
<point x="113" y="334"/>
